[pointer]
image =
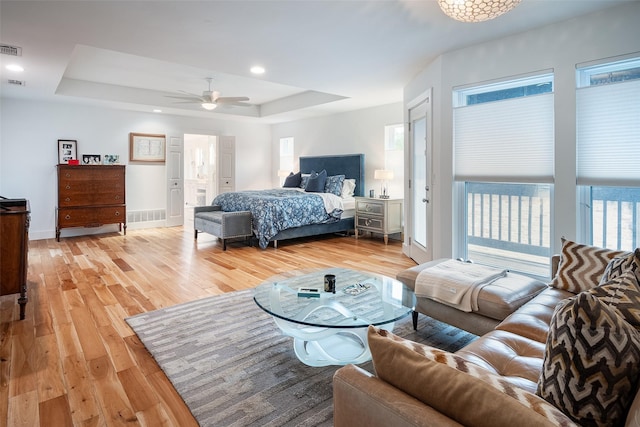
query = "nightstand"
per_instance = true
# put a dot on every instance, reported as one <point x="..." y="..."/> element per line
<point x="382" y="216"/>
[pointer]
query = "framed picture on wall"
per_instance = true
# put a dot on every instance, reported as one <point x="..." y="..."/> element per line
<point x="67" y="150"/>
<point x="145" y="147"/>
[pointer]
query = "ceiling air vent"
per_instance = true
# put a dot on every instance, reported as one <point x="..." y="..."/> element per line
<point x="17" y="82"/>
<point x="6" y="49"/>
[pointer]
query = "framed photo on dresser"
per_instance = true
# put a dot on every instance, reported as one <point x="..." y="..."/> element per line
<point x="67" y="150"/>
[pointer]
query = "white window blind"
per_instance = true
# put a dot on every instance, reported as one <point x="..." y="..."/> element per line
<point x="608" y="134"/>
<point x="505" y="141"/>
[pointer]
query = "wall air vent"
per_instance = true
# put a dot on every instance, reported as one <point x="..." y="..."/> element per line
<point x="17" y="82"/>
<point x="6" y="49"/>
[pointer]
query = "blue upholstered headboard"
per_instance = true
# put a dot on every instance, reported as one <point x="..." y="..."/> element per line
<point x="351" y="165"/>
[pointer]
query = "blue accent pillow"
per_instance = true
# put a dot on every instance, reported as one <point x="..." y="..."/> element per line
<point x="316" y="182"/>
<point x="333" y="184"/>
<point x="293" y="180"/>
<point x="304" y="180"/>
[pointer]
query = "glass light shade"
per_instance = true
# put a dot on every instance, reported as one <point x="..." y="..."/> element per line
<point x="209" y="106"/>
<point x="476" y="10"/>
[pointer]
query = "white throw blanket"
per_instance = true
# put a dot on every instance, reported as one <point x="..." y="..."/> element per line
<point x="456" y="283"/>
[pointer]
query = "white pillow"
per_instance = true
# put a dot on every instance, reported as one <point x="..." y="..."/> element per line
<point x="348" y="186"/>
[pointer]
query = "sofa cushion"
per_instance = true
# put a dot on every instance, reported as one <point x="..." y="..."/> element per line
<point x="591" y="363"/>
<point x="629" y="261"/>
<point x="451" y="385"/>
<point x="581" y="266"/>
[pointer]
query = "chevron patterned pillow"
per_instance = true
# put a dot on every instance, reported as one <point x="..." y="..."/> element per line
<point x="581" y="266"/>
<point x="623" y="294"/>
<point x="620" y="264"/>
<point x="591" y="363"/>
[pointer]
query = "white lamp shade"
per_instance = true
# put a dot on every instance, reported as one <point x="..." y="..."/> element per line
<point x="383" y="174"/>
<point x="282" y="173"/>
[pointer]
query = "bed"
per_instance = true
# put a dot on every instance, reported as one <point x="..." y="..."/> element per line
<point x="272" y="210"/>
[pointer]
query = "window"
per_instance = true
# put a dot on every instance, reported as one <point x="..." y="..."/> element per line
<point x="504" y="146"/>
<point x="394" y="158"/>
<point x="608" y="137"/>
<point x="286" y="158"/>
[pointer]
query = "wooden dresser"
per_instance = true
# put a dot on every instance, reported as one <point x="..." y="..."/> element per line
<point x="14" y="244"/>
<point x="91" y="196"/>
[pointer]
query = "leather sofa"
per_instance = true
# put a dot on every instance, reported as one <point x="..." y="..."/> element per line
<point x="512" y="354"/>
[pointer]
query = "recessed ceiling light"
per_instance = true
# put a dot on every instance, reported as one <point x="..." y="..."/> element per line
<point x="14" y="67"/>
<point x="257" y="69"/>
<point x="157" y="110"/>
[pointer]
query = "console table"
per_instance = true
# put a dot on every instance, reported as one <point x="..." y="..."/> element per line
<point x="14" y="244"/>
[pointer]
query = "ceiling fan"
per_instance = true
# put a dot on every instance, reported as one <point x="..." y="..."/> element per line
<point x="209" y="99"/>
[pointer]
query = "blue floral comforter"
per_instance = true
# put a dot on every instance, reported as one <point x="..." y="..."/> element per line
<point x="276" y="210"/>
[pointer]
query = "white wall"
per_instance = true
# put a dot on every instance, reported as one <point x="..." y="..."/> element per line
<point x="354" y="132"/>
<point x="29" y="152"/>
<point x="558" y="47"/>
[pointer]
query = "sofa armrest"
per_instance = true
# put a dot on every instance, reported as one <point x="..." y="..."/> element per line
<point x="361" y="399"/>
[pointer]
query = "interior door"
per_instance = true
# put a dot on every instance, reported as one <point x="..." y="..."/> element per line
<point x="419" y="201"/>
<point x="175" y="184"/>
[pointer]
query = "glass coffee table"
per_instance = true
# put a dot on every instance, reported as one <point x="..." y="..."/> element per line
<point x="331" y="328"/>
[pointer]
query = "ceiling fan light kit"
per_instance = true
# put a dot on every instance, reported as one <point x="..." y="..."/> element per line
<point x="208" y="106"/>
<point x="476" y="10"/>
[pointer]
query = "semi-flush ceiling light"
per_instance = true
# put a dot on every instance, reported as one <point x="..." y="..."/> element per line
<point x="15" y="67"/>
<point x="257" y="69"/>
<point x="209" y="106"/>
<point x="476" y="10"/>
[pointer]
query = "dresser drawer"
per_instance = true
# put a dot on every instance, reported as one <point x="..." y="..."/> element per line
<point x="370" y="207"/>
<point x="91" y="217"/>
<point x="370" y="223"/>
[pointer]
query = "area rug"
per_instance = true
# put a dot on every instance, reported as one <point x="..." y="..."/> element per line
<point x="233" y="367"/>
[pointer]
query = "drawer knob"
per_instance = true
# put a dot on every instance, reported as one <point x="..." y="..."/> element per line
<point x="68" y="199"/>
<point x="117" y="213"/>
<point x="67" y="174"/>
<point x="367" y="208"/>
<point x="367" y="222"/>
<point x="68" y="187"/>
<point x="67" y="216"/>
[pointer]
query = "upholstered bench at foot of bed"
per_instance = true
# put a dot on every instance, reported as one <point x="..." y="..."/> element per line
<point x="495" y="301"/>
<point x="224" y="225"/>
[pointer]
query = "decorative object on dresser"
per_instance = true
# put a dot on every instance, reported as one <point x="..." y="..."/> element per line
<point x="67" y="150"/>
<point x="91" y="196"/>
<point x="147" y="147"/>
<point x="91" y="159"/>
<point x="382" y="216"/>
<point x="14" y="244"/>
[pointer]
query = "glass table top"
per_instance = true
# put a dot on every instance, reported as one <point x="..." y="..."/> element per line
<point x="361" y="299"/>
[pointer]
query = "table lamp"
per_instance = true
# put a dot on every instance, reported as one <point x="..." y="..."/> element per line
<point x="383" y="175"/>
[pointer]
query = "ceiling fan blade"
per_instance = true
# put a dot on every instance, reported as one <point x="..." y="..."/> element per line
<point x="231" y="99"/>
<point x="234" y="104"/>
<point x="187" y="98"/>
<point x="188" y="93"/>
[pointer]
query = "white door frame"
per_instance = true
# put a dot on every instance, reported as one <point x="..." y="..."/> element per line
<point x="414" y="250"/>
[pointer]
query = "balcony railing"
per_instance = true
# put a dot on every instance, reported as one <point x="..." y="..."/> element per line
<point x="510" y="224"/>
<point x="614" y="217"/>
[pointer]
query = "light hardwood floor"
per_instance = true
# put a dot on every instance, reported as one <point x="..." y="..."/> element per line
<point x="75" y="362"/>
